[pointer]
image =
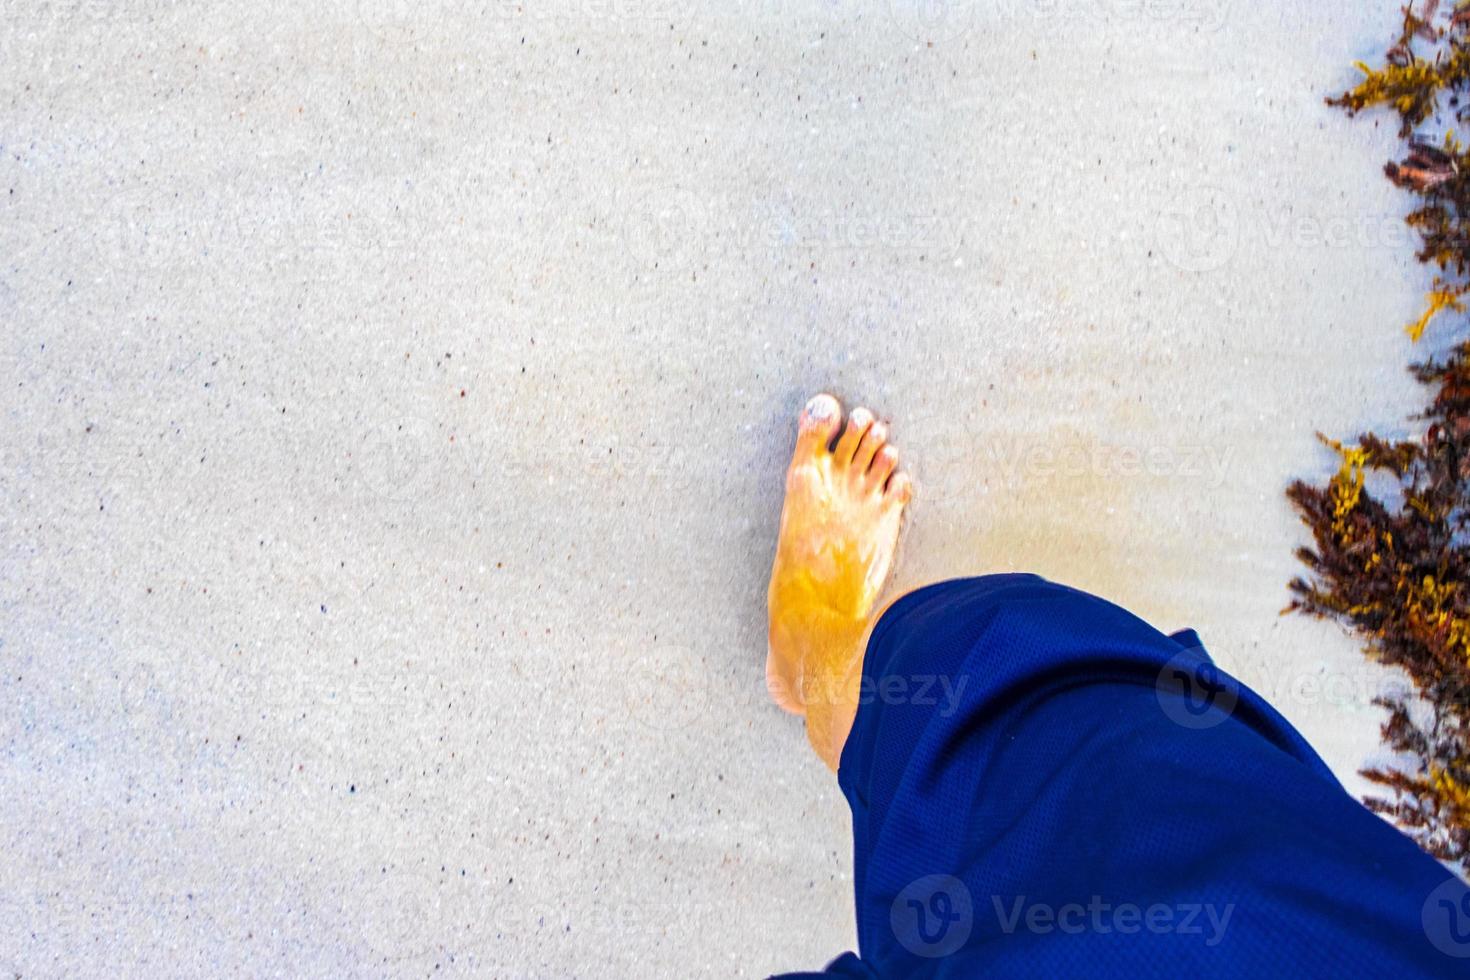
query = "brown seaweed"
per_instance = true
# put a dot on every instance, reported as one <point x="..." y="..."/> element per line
<point x="1395" y="565"/>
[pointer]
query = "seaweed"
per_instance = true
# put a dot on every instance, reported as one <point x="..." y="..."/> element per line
<point x="1395" y="565"/>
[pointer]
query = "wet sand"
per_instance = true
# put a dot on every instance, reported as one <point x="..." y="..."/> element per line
<point x="396" y="399"/>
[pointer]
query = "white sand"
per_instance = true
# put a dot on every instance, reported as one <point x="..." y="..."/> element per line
<point x="395" y="398"/>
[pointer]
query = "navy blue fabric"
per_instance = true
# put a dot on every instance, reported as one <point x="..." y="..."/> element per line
<point x="1044" y="785"/>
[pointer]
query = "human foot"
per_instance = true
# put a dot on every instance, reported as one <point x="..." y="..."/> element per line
<point x="839" y="528"/>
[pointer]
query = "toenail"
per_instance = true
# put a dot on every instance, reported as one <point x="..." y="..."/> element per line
<point x="820" y="408"/>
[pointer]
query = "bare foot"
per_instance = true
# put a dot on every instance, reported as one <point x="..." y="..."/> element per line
<point x="839" y="528"/>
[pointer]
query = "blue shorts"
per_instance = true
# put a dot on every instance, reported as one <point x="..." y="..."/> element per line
<point x="1044" y="785"/>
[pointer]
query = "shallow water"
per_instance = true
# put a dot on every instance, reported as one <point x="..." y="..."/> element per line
<point x="397" y="397"/>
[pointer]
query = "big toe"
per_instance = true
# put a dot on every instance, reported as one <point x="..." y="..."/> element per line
<point x="818" y="425"/>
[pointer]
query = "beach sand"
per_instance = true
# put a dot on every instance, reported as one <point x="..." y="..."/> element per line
<point x="396" y="398"/>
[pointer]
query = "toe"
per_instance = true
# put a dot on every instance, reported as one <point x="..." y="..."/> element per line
<point x="900" y="489"/>
<point x="819" y="421"/>
<point x="883" y="466"/>
<point x="858" y="424"/>
<point x="875" y="439"/>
